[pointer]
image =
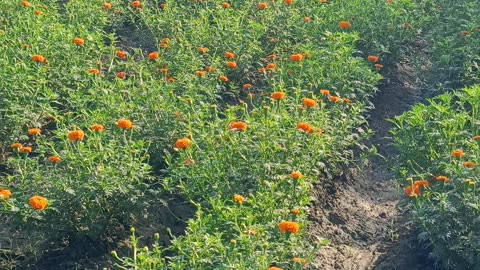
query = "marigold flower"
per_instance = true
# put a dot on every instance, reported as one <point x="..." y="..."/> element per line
<point x="121" y="75"/>
<point x="121" y="54"/>
<point x="107" y="6"/>
<point x="124" y="124"/>
<point x="288" y="2"/>
<point x="153" y="55"/>
<point x="295" y="211"/>
<point x="278" y="95"/>
<point x="238" y="126"/>
<point x="308" y="102"/>
<point x="346" y="100"/>
<point x="78" y="41"/>
<point x="458" y="153"/>
<point x="272" y="56"/>
<point x="16" y="145"/>
<point x="262" y="6"/>
<point x="200" y="73"/>
<point x="76" y="135"/>
<point x="325" y="92"/>
<point x="163" y="45"/>
<point x="299" y="260"/>
<point x="223" y="78"/>
<point x="25" y="149"/>
<point x="163" y="5"/>
<point x="25" y="4"/>
<point x="296" y="57"/>
<point x="412" y="192"/>
<point x="468" y="164"/>
<point x="209" y="69"/>
<point x="97" y="127"/>
<point x="38" y="202"/>
<point x="372" y="58"/>
<point x="202" y="49"/>
<point x="274" y="268"/>
<point x="247" y="86"/>
<point x="136" y="3"/>
<point x="238" y="199"/>
<point x="164" y="70"/>
<point x="442" y="178"/>
<point x="5" y="194"/>
<point x="469" y="182"/>
<point x="39" y="58"/>
<point x="37" y="12"/>
<point x="93" y="71"/>
<point x="165" y="40"/>
<point x="378" y="66"/>
<point x="305" y="127"/>
<point x="25" y="46"/>
<point x="54" y="159"/>
<point x="229" y="55"/>
<point x="334" y="99"/>
<point x="476" y="138"/>
<point x="420" y="183"/>
<point x="270" y="66"/>
<point x="344" y="24"/>
<point x="306" y="19"/>
<point x="288" y="226"/>
<point x="231" y="64"/>
<point x="225" y="5"/>
<point x="183" y="143"/>
<point x="34" y="131"/>
<point x="250" y="232"/>
<point x="296" y="175"/>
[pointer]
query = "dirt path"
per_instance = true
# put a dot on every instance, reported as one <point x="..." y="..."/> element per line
<point x="360" y="212"/>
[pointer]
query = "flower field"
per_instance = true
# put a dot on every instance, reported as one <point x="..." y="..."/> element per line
<point x="239" y="109"/>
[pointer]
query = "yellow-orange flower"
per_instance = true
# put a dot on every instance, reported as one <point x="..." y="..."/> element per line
<point x="78" y="41"/>
<point x="412" y="192"/>
<point x="247" y="86"/>
<point x="39" y="58"/>
<point x="305" y="127"/>
<point x="200" y="73"/>
<point x="288" y="2"/>
<point x="299" y="260"/>
<point x="97" y="127"/>
<point x="183" y="143"/>
<point x="37" y="12"/>
<point x="334" y="99"/>
<point x="278" y="95"/>
<point x="274" y="268"/>
<point x="229" y="55"/>
<point x="202" y="49"/>
<point x="231" y="64"/>
<point x="163" y="45"/>
<point x="238" y="198"/>
<point x="25" y="4"/>
<point x="344" y="24"/>
<point x="93" y="71"/>
<point x="468" y="164"/>
<point x="296" y="57"/>
<point x="153" y="55"/>
<point x="5" y="194"/>
<point x="262" y="6"/>
<point x="54" y="159"/>
<point x="442" y="178"/>
<point x="238" y="126"/>
<point x="107" y="6"/>
<point x="223" y="78"/>
<point x="124" y="124"/>
<point x="372" y="58"/>
<point x="121" y="75"/>
<point x="288" y="226"/>
<point x="295" y="211"/>
<point x="378" y="66"/>
<point x="308" y="102"/>
<point x="296" y="175"/>
<point x="34" y="131"/>
<point x="76" y="135"/>
<point x="306" y="19"/>
<point x="209" y="69"/>
<point x="225" y="5"/>
<point x="325" y="92"/>
<point x="136" y="4"/>
<point x="121" y="54"/>
<point x="270" y="66"/>
<point x="476" y="138"/>
<point x="38" y="202"/>
<point x="16" y="145"/>
<point x="458" y="153"/>
<point x="25" y="149"/>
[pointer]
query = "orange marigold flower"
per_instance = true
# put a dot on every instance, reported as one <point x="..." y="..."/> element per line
<point x="121" y="54"/>
<point x="34" y="131"/>
<point x="372" y="58"/>
<point x="153" y="55"/>
<point x="334" y="99"/>
<point x="238" y="199"/>
<point x="303" y="126"/>
<point x="238" y="126"/>
<point x="37" y="12"/>
<point x="39" y="58"/>
<point x="262" y="6"/>
<point x="54" y="159"/>
<point x="124" y="124"/>
<point x="278" y="95"/>
<point x="25" y="46"/>
<point x="25" y="4"/>
<point x="346" y="100"/>
<point x="288" y="2"/>
<point x="325" y="92"/>
<point x="200" y="73"/>
<point x="378" y="66"/>
<point x="121" y="75"/>
<point x="165" y="40"/>
<point x="97" y="127"/>
<point x="76" y="135"/>
<point x="262" y="70"/>
<point x="16" y="145"/>
<point x="183" y="143"/>
<point x="209" y="69"/>
<point x="468" y="164"/>
<point x="163" y="5"/>
<point x="412" y="192"/>
<point x="420" y="183"/>
<point x="442" y="178"/>
<point x="274" y="268"/>
<point x="296" y="57"/>
<point x="93" y="71"/>
<point x="272" y="56"/>
<point x="202" y="49"/>
<point x="25" y="149"/>
<point x="308" y="102"/>
<point x="5" y="194"/>
<point x="247" y="86"/>
<point x="299" y="260"/>
<point x="296" y="175"/>
<point x="229" y="55"/>
<point x="306" y="19"/>
<point x="107" y="6"/>
<point x="250" y="232"/>
<point x="231" y="64"/>
<point x="288" y="226"/>
<point x="223" y="78"/>
<point x="295" y="211"/>
<point x="270" y="66"/>
<point x="458" y="153"/>
<point x="163" y="45"/>
<point x="164" y="70"/>
<point x="225" y="5"/>
<point x="136" y="4"/>
<point x="38" y="202"/>
<point x="78" y="41"/>
<point x="344" y="24"/>
<point x="476" y="138"/>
